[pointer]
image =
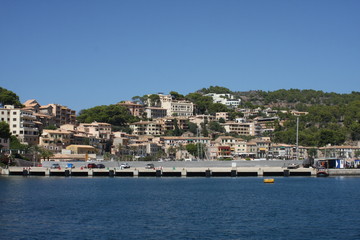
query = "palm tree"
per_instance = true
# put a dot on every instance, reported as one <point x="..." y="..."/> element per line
<point x="172" y="151"/>
<point x="132" y="150"/>
<point x="44" y="153"/>
<point x="120" y="149"/>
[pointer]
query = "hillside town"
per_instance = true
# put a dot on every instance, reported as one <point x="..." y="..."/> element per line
<point x="241" y="138"/>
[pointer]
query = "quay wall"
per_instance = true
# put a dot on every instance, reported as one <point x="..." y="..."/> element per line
<point x="175" y="172"/>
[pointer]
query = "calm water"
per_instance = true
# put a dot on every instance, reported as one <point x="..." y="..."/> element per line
<point x="179" y="208"/>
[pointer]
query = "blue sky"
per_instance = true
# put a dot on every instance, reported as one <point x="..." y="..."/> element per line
<point x="85" y="53"/>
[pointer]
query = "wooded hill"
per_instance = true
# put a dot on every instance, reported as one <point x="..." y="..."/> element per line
<point x="333" y="118"/>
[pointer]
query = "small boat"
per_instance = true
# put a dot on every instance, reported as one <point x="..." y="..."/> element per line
<point x="269" y="180"/>
<point x="322" y="174"/>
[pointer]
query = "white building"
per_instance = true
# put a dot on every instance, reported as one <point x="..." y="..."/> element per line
<point x="225" y="98"/>
<point x="155" y="112"/>
<point x="246" y="129"/>
<point x="176" y="107"/>
<point x="21" y="123"/>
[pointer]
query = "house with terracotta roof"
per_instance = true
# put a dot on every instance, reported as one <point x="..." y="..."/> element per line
<point x="82" y="149"/>
<point x="134" y="108"/>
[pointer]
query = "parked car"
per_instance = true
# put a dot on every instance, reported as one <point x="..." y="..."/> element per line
<point x="124" y="165"/>
<point x="100" y="165"/>
<point x="92" y="165"/>
<point x="293" y="166"/>
<point x="70" y="165"/>
<point x="55" y="165"/>
<point x="149" y="166"/>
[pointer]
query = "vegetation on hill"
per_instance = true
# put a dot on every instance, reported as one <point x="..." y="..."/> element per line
<point x="8" y="97"/>
<point x="116" y="115"/>
<point x="324" y="125"/>
<point x="296" y="98"/>
<point x="214" y="89"/>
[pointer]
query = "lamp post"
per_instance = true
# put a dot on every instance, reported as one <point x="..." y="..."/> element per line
<point x="297" y="138"/>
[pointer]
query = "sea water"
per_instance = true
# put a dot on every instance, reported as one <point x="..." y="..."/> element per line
<point x="179" y="208"/>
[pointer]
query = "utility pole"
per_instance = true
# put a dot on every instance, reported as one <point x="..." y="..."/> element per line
<point x="297" y="138"/>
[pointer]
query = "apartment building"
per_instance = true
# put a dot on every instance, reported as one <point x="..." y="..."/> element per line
<point x="246" y="129"/>
<point x="62" y="114"/>
<point x="266" y="125"/>
<point x="144" y="149"/>
<point x="179" y="108"/>
<point x="251" y="150"/>
<point x="96" y="129"/>
<point x="155" y="112"/>
<point x="198" y="119"/>
<point x="56" y="140"/>
<point x="43" y="114"/>
<point x="263" y="148"/>
<point x="237" y="145"/>
<point x="21" y="123"/>
<point x="222" y="115"/>
<point x="134" y="108"/>
<point x="176" y="107"/>
<point x="146" y="128"/>
<point x="173" y="141"/>
<point x="169" y="123"/>
<point x="32" y="105"/>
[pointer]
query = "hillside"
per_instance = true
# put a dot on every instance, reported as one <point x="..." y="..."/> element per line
<point x="295" y="98"/>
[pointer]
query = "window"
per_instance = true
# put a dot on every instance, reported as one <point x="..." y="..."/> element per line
<point x="14" y="113"/>
<point x="14" y="125"/>
<point x="14" y="119"/>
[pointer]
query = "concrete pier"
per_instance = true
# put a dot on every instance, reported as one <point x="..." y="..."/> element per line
<point x="173" y="172"/>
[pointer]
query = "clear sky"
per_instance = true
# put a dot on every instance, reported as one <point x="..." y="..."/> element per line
<point x="85" y="53"/>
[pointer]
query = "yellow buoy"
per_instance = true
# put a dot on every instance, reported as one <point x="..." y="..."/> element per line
<point x="269" y="180"/>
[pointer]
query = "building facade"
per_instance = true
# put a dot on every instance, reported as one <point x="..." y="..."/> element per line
<point x="21" y="123"/>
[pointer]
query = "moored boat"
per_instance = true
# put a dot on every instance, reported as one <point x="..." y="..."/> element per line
<point x="322" y="172"/>
<point x="269" y="180"/>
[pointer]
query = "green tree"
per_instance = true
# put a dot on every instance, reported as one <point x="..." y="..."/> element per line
<point x="154" y="100"/>
<point x="202" y="102"/>
<point x="192" y="127"/>
<point x="8" y="97"/>
<point x="51" y="127"/>
<point x="45" y="153"/>
<point x="172" y="151"/>
<point x="215" y="89"/>
<point x="355" y="131"/>
<point x="176" y="95"/>
<point x="328" y="136"/>
<point x="215" y="126"/>
<point x="197" y="150"/>
<point x="15" y="144"/>
<point x="217" y="107"/>
<point x="4" y="130"/>
<point x="312" y="152"/>
<point x="113" y="114"/>
<point x="204" y="131"/>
